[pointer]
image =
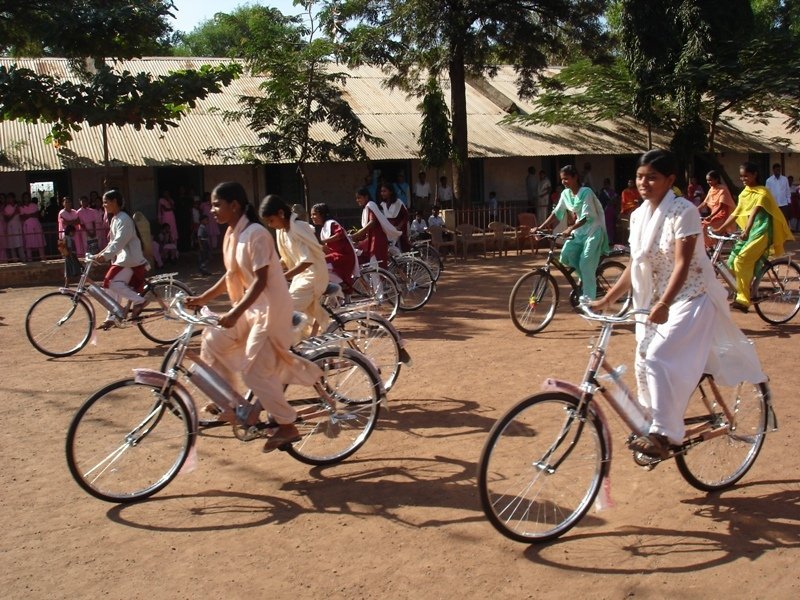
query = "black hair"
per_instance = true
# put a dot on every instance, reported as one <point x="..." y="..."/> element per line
<point x="115" y="195"/>
<point x="363" y="192"/>
<point x="569" y="170"/>
<point x="233" y="191"/>
<point x="712" y="174"/>
<point x="751" y="167"/>
<point x="662" y="161"/>
<point x="273" y="203"/>
<point x="323" y="210"/>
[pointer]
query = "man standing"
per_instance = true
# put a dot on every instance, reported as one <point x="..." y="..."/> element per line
<point x="544" y="190"/>
<point x="401" y="189"/>
<point x="422" y="194"/>
<point x="778" y="186"/>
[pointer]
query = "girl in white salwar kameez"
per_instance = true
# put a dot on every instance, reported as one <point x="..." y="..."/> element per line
<point x="254" y="336"/>
<point x="303" y="259"/>
<point x="689" y="330"/>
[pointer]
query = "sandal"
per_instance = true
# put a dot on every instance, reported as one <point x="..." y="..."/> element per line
<point x="739" y="306"/>
<point x="654" y="445"/>
<point x="106" y="325"/>
<point x="282" y="439"/>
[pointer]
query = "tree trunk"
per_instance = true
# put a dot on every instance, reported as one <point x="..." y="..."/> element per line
<point x="458" y="106"/>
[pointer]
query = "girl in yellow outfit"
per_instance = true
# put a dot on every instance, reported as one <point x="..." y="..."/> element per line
<point x="764" y="232"/>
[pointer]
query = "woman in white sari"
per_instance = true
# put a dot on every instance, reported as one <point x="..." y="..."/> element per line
<point x="689" y="330"/>
<point x="254" y="336"/>
<point x="303" y="259"/>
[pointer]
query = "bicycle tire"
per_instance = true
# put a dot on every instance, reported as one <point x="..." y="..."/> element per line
<point x="59" y="323"/>
<point x="331" y="434"/>
<point x="719" y="462"/>
<point x="156" y="322"/>
<point x="432" y="258"/>
<point x="379" y="287"/>
<point x="533" y="301"/>
<point x="776" y="291"/>
<point x="127" y="442"/>
<point x="415" y="281"/>
<point x="375" y="338"/>
<point x="608" y="273"/>
<point x="527" y="495"/>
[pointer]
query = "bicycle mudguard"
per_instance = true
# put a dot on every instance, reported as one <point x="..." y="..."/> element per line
<point x="159" y="379"/>
<point x="73" y="292"/>
<point x="603" y="499"/>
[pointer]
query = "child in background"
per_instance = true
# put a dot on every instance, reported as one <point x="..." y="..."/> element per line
<point x="167" y="246"/>
<point x="66" y="246"/>
<point x="203" y="245"/>
<point x="419" y="228"/>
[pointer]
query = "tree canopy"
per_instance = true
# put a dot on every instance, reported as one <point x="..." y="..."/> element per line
<point x="93" y="34"/>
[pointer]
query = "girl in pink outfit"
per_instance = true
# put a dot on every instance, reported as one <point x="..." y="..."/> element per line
<point x="13" y="224"/>
<point x="31" y="228"/>
<point x="88" y="231"/>
<point x="213" y="227"/>
<point x="166" y="214"/>
<point x="69" y="216"/>
<point x="3" y="257"/>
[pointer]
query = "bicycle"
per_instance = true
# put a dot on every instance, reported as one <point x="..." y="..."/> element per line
<point x="368" y="332"/>
<point x="61" y="323"/>
<point x="535" y="296"/>
<point x="414" y="278"/>
<point x="775" y="290"/>
<point x="131" y="438"/>
<point x="425" y="250"/>
<point x="545" y="459"/>
<point x="378" y="287"/>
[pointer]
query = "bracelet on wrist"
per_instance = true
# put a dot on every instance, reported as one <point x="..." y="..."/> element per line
<point x="662" y="303"/>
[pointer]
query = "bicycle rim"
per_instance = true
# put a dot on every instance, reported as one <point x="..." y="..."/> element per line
<point x="59" y="324"/>
<point x="158" y="323"/>
<point x="607" y="275"/>
<point x="379" y="288"/>
<point x="334" y="428"/>
<point x="533" y="301"/>
<point x="416" y="283"/>
<point x="127" y="441"/>
<point x="721" y="461"/>
<point x="541" y="468"/>
<point x="777" y="292"/>
<point x="375" y="341"/>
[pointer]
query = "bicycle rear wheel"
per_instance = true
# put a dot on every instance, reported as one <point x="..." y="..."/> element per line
<point x="338" y="414"/>
<point x="128" y="441"/>
<point x="379" y="287"/>
<point x="431" y="257"/>
<point x="157" y="322"/>
<point x="721" y="461"/>
<point x="415" y="280"/>
<point x="608" y="273"/>
<point x="776" y="292"/>
<point x="377" y="340"/>
<point x="541" y="468"/>
<point x="533" y="301"/>
<point x="59" y="324"/>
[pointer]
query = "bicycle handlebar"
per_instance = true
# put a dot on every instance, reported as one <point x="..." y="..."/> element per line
<point x="207" y="319"/>
<point x="549" y="235"/>
<point x="626" y="317"/>
<point x="731" y="237"/>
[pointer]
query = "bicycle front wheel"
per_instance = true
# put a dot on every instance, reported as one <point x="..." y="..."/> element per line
<point x="432" y="258"/>
<point x="533" y="301"/>
<point x="337" y="415"/>
<point x="721" y="461"/>
<point x="541" y="468"/>
<point x="379" y="288"/>
<point x="415" y="280"/>
<point x="157" y="322"/>
<point x="776" y="292"/>
<point x="59" y="324"/>
<point x="607" y="275"/>
<point x="128" y="441"/>
<point x="375" y="339"/>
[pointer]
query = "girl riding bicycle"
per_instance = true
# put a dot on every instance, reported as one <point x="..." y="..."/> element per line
<point x="255" y="334"/>
<point x="689" y="330"/>
<point x="589" y="239"/>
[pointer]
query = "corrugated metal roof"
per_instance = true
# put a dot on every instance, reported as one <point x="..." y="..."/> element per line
<point x="389" y="114"/>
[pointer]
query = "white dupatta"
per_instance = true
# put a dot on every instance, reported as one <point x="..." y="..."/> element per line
<point x="732" y="357"/>
<point x="391" y="231"/>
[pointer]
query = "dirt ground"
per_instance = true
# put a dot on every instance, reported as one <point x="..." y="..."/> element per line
<point x="401" y="518"/>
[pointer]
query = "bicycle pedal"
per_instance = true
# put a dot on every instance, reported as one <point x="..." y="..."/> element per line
<point x="248" y="433"/>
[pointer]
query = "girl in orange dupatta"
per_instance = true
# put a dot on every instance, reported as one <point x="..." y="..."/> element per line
<point x="254" y="336"/>
<point x="719" y="203"/>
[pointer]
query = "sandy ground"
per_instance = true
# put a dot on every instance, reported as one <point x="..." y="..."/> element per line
<point x="401" y="518"/>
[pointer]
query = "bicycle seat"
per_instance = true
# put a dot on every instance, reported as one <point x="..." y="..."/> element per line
<point x="333" y="289"/>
